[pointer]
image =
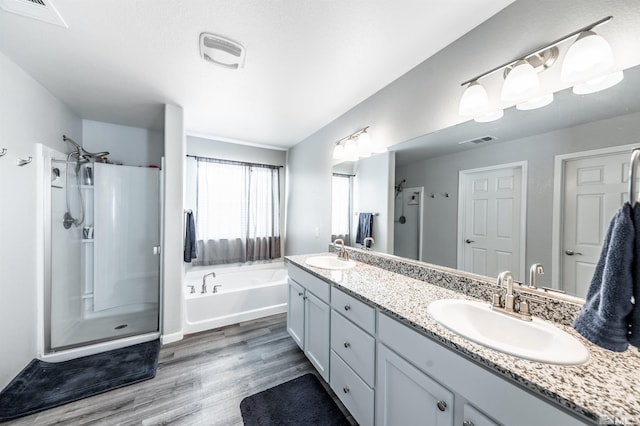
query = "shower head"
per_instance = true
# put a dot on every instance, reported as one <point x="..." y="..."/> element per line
<point x="83" y="155"/>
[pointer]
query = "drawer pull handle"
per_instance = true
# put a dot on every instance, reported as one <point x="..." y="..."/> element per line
<point x="347" y="345"/>
<point x="347" y="307"/>
<point x="345" y="389"/>
<point x="467" y="423"/>
<point x="442" y="405"/>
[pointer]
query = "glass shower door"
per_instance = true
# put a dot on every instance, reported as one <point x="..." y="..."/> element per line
<point x="105" y="282"/>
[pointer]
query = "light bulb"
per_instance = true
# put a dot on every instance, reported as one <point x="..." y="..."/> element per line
<point x="364" y="144"/>
<point x="474" y="100"/>
<point x="351" y="150"/>
<point x="521" y="84"/>
<point x="338" y="152"/>
<point x="492" y="116"/>
<point x="534" y="103"/>
<point x="599" y="83"/>
<point x="589" y="57"/>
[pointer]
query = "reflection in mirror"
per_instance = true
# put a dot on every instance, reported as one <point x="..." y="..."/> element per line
<point x="574" y="155"/>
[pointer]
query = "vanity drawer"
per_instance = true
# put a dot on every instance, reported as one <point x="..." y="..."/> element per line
<point x="314" y="284"/>
<point x="354" y="346"/>
<point x="357" y="311"/>
<point x="352" y="391"/>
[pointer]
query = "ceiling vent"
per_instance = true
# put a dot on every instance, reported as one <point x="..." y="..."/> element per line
<point x="42" y="10"/>
<point x="221" y="51"/>
<point x="478" y="141"/>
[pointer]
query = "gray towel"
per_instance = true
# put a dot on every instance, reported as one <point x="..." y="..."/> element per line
<point x="365" y="228"/>
<point x="634" y="320"/>
<point x="604" y="318"/>
<point x="190" y="247"/>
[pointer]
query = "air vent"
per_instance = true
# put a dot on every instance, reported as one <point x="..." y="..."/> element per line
<point x="478" y="141"/>
<point x="42" y="10"/>
<point x="221" y="51"/>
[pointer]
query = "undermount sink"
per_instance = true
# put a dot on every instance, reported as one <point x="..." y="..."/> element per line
<point x="534" y="340"/>
<point x="330" y="262"/>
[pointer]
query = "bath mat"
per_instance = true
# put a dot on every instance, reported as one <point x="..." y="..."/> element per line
<point x="43" y="385"/>
<point x="301" y="401"/>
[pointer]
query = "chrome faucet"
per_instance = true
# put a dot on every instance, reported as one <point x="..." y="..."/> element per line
<point x="509" y="300"/>
<point x="215" y="288"/>
<point x="204" y="281"/>
<point x="521" y="311"/>
<point x="536" y="268"/>
<point x="342" y="253"/>
<point x="364" y="244"/>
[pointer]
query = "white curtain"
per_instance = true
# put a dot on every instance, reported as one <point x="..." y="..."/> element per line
<point x="341" y="208"/>
<point x="238" y="212"/>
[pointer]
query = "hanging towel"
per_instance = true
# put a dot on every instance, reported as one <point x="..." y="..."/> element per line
<point x="365" y="227"/>
<point x="634" y="319"/>
<point x="604" y="317"/>
<point x="190" y="247"/>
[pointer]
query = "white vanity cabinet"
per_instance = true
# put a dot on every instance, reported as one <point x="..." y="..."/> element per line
<point x="353" y="355"/>
<point x="407" y="396"/>
<point x="308" y="317"/>
<point x="413" y="354"/>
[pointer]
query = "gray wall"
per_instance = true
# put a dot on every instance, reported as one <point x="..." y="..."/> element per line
<point x="29" y="114"/>
<point x="426" y="98"/>
<point x="440" y="174"/>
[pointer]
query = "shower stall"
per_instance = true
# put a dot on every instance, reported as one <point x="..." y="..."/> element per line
<point x="101" y="253"/>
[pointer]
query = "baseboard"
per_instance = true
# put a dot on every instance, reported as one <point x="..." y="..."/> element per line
<point x="165" y="339"/>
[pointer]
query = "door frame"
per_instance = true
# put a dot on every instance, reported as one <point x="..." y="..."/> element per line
<point x="557" y="234"/>
<point x="523" y="209"/>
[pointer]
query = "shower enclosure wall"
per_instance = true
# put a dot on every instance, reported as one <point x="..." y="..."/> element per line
<point x="101" y="266"/>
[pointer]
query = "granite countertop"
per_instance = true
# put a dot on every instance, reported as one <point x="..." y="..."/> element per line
<point x="606" y="389"/>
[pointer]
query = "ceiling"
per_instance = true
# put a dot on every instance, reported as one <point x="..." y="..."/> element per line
<point x="307" y="61"/>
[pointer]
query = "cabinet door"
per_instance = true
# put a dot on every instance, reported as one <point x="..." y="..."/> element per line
<point x="295" y="313"/>
<point x="407" y="396"/>
<point x="316" y="333"/>
<point x="473" y="417"/>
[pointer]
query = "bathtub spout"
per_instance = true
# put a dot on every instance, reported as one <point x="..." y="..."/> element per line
<point x="204" y="281"/>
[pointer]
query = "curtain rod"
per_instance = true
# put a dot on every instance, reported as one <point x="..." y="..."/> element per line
<point x="239" y="163"/>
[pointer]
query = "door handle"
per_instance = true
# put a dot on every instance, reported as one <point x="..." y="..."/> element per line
<point x="156" y="250"/>
<point x="571" y="253"/>
<point x="468" y="241"/>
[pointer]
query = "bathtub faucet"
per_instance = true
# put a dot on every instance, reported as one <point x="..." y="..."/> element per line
<point x="204" y="281"/>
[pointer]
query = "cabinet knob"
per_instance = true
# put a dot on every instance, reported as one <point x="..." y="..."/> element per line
<point x="305" y="298"/>
<point x="442" y="405"/>
<point x="347" y="345"/>
<point x="345" y="389"/>
<point x="467" y="423"/>
<point x="300" y="294"/>
<point x="347" y="307"/>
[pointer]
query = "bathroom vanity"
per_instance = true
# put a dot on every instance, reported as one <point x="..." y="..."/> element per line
<point x="367" y="331"/>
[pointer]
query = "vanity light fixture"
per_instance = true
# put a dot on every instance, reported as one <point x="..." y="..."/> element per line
<point x="356" y="145"/>
<point x="588" y="65"/>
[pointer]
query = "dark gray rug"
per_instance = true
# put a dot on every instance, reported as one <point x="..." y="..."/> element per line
<point x="301" y="401"/>
<point x="43" y="385"/>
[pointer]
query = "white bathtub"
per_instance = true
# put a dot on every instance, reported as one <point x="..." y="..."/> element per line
<point x="246" y="293"/>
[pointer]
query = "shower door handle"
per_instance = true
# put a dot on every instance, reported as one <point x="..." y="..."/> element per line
<point x="156" y="250"/>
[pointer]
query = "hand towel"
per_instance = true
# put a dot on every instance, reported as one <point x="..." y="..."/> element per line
<point x="365" y="227"/>
<point x="604" y="317"/>
<point x="190" y="247"/>
<point x="634" y="319"/>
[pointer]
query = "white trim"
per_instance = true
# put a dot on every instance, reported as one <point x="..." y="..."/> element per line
<point x="522" y="165"/>
<point x="558" y="198"/>
<point x="235" y="141"/>
<point x="165" y="339"/>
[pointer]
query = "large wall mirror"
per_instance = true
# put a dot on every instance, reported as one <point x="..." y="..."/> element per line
<point x="536" y="186"/>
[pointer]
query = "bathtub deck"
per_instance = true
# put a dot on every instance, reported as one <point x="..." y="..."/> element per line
<point x="200" y="380"/>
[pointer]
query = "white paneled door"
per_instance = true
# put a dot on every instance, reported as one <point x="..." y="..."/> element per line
<point x="594" y="189"/>
<point x="491" y="220"/>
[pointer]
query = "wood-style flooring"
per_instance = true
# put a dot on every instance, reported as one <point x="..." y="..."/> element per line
<point x="200" y="380"/>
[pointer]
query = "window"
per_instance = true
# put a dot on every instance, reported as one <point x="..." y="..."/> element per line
<point x="238" y="212"/>
<point x="341" y="208"/>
